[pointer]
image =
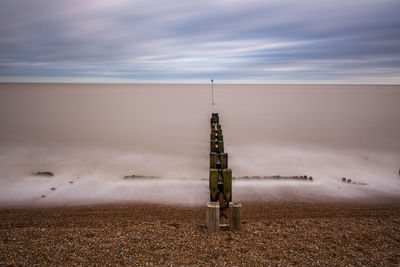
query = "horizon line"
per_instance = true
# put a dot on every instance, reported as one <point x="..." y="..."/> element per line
<point x="185" y="83"/>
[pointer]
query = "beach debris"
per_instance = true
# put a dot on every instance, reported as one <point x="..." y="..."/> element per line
<point x="275" y="177"/>
<point x="135" y="176"/>
<point x="356" y="183"/>
<point x="349" y="181"/>
<point x="53" y="189"/>
<point x="43" y="173"/>
<point x="130" y="176"/>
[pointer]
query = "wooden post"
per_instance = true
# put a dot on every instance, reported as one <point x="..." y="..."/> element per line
<point x="224" y="161"/>
<point x="212" y="146"/>
<point x="235" y="215"/>
<point x="213" y="184"/>
<point x="213" y="160"/>
<point x="221" y="146"/>
<point x="212" y="216"/>
<point x="227" y="182"/>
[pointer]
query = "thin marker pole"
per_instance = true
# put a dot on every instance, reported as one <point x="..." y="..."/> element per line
<point x="212" y="92"/>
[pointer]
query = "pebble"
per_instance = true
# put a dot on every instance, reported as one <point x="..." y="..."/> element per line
<point x="142" y="234"/>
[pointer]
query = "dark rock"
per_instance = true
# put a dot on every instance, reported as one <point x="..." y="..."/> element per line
<point x="349" y="181"/>
<point x="175" y="225"/>
<point x="43" y="196"/>
<point x="344" y="179"/>
<point x="53" y="189"/>
<point x="71" y="182"/>
<point x="310" y="178"/>
<point x="45" y="173"/>
<point x="89" y="235"/>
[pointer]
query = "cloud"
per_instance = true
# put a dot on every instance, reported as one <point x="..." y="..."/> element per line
<point x="265" y="41"/>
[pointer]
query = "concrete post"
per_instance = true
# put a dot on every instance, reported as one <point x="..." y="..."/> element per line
<point x="212" y="216"/>
<point x="235" y="215"/>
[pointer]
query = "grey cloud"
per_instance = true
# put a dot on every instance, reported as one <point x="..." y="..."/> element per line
<point x="158" y="40"/>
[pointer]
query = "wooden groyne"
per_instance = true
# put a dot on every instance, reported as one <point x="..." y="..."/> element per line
<point x="220" y="208"/>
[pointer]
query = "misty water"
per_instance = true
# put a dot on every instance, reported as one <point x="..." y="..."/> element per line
<point x="91" y="136"/>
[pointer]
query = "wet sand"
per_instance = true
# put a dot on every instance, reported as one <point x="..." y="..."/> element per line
<point x="138" y="234"/>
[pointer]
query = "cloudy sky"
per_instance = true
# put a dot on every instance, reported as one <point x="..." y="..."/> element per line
<point x="186" y="41"/>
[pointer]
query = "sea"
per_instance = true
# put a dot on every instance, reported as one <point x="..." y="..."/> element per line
<point x="91" y="136"/>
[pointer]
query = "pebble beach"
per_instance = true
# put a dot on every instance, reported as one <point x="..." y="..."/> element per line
<point x="276" y="233"/>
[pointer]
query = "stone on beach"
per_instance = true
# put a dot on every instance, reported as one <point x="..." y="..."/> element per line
<point x="43" y="173"/>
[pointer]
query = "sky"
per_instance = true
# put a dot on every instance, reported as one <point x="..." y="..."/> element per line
<point x="235" y="41"/>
